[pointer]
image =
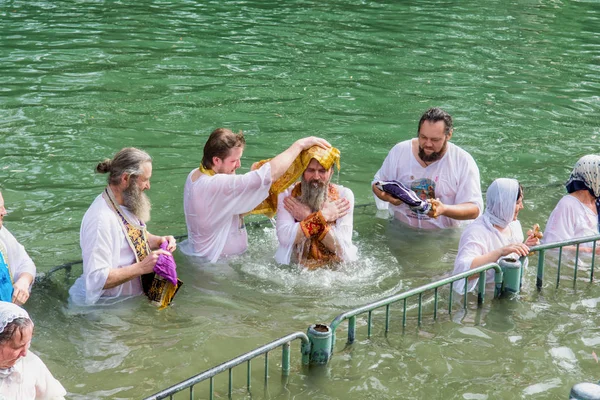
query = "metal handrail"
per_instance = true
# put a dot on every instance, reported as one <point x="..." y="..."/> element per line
<point x="228" y="365"/>
<point x="541" y="248"/>
<point x="351" y="315"/>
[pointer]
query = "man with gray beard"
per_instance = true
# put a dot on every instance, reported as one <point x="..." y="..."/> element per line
<point x="119" y="254"/>
<point x="315" y="217"/>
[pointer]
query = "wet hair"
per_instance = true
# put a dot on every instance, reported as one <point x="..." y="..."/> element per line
<point x="18" y="324"/>
<point x="434" y="115"/>
<point x="219" y="144"/>
<point x="127" y="161"/>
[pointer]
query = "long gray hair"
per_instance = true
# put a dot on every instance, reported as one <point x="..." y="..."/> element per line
<point x="128" y="160"/>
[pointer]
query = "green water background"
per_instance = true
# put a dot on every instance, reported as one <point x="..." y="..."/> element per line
<point x="81" y="79"/>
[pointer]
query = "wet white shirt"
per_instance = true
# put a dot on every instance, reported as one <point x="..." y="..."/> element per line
<point x="478" y="239"/>
<point x="18" y="260"/>
<point x="31" y="379"/>
<point x="104" y="246"/>
<point x="287" y="229"/>
<point x="213" y="207"/>
<point x="569" y="220"/>
<point x="454" y="179"/>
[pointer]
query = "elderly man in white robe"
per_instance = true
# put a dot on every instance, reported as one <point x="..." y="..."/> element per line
<point x="119" y="254"/>
<point x="17" y="270"/>
<point x="494" y="234"/>
<point x="315" y="216"/>
<point x="215" y="198"/>
<point x="576" y="214"/>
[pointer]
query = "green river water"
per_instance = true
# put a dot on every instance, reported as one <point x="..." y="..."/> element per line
<point x="80" y="79"/>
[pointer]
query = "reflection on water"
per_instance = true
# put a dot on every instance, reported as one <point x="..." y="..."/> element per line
<point x="82" y="79"/>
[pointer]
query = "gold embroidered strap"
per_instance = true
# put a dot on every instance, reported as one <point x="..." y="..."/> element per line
<point x="135" y="234"/>
<point x="4" y="254"/>
<point x="205" y="171"/>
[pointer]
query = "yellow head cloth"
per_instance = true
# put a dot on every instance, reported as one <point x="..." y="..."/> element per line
<point x="326" y="157"/>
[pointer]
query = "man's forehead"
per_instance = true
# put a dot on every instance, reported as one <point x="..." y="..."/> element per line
<point x="431" y="128"/>
<point x="314" y="163"/>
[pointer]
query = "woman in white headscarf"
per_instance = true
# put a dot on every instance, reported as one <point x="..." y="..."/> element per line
<point x="576" y="214"/>
<point x="23" y="376"/>
<point x="496" y="233"/>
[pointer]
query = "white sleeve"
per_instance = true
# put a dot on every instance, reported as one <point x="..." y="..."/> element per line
<point x="343" y="230"/>
<point x="472" y="244"/>
<point x="98" y="255"/>
<point x="287" y="229"/>
<point x="18" y="259"/>
<point x="239" y="194"/>
<point x="469" y="183"/>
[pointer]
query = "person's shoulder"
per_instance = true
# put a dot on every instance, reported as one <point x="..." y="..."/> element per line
<point x="98" y="212"/>
<point x="458" y="151"/>
<point x="405" y="144"/>
<point x="475" y="227"/>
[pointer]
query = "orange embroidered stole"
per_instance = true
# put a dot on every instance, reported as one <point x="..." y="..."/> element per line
<point x="314" y="254"/>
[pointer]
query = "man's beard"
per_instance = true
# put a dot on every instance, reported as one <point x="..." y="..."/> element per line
<point x="436" y="155"/>
<point x="137" y="202"/>
<point x="314" y="194"/>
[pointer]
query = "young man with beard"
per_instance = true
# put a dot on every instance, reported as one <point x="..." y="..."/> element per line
<point x="17" y="270"/>
<point x="436" y="170"/>
<point x="314" y="217"/>
<point x="117" y="250"/>
<point x="215" y="198"/>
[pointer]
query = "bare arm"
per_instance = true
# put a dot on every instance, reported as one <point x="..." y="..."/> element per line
<point x="21" y="288"/>
<point x="281" y="162"/>
<point x="155" y="241"/>
<point x="461" y="211"/>
<point x="521" y="249"/>
<point x="118" y="276"/>
<point x="386" y="196"/>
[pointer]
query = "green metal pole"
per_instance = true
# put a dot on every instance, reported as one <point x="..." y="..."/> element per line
<point x="593" y="262"/>
<point x="420" y="308"/>
<point x="576" y="265"/>
<point x="320" y="343"/>
<point x="248" y="374"/>
<point x="266" y="366"/>
<point x="540" y="271"/>
<point x="481" y="289"/>
<point x="559" y="262"/>
<point x="351" y="329"/>
<point x="285" y="360"/>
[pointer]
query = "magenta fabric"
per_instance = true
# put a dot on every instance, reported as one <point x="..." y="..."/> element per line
<point x="165" y="265"/>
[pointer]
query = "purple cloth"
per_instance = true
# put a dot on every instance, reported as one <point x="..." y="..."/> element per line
<point x="404" y="194"/>
<point x="165" y="265"/>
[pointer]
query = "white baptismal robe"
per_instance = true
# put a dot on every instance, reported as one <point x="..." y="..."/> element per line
<point x="30" y="380"/>
<point x="454" y="179"/>
<point x="570" y="219"/>
<point x="287" y="229"/>
<point x="480" y="238"/>
<point x="213" y="207"/>
<point x="104" y="246"/>
<point x="18" y="260"/>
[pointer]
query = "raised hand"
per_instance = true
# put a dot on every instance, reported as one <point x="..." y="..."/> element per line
<point x="308" y="142"/>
